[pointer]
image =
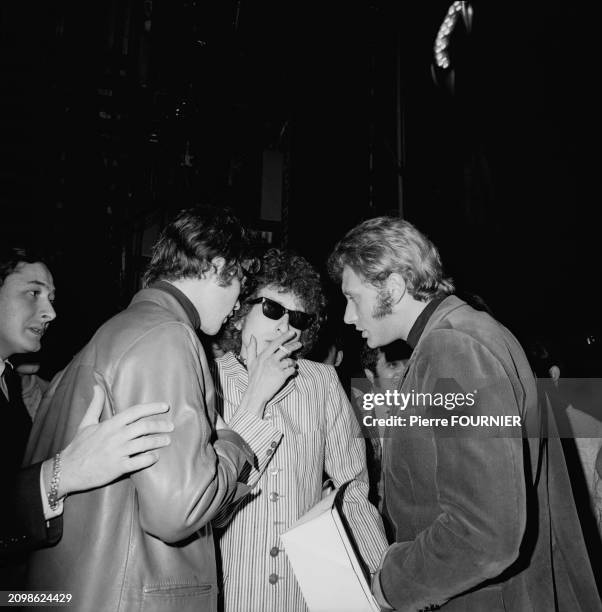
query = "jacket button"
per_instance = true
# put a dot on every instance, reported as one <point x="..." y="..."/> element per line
<point x="274" y="444"/>
<point x="274" y="551"/>
<point x="269" y="452"/>
<point x="273" y="578"/>
<point x="274" y="497"/>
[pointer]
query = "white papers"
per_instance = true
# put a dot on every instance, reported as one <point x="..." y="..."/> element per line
<point x="324" y="562"/>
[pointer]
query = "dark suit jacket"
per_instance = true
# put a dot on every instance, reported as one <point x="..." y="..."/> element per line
<point x="483" y="520"/>
<point x="25" y="527"/>
<point x="22" y="524"/>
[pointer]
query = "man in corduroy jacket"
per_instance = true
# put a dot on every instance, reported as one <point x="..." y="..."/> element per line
<point x="479" y="501"/>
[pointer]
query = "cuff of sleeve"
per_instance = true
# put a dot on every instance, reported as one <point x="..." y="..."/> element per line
<point x="48" y="512"/>
<point x="262" y="436"/>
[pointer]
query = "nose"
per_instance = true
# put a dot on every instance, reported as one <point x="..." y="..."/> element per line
<point x="283" y="324"/>
<point x="48" y="313"/>
<point x="350" y="315"/>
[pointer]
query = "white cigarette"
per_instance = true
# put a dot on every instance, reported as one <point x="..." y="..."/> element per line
<point x="284" y="350"/>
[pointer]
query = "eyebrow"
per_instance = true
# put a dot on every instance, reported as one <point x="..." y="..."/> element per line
<point x="39" y="283"/>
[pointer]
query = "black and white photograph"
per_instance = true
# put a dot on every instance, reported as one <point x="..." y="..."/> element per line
<point x="298" y="306"/>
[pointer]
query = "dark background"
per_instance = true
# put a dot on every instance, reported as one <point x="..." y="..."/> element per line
<point x="306" y="117"/>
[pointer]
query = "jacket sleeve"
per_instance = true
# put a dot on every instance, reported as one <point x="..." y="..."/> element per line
<point x="197" y="473"/>
<point x="25" y="528"/>
<point x="479" y="479"/>
<point x="345" y="463"/>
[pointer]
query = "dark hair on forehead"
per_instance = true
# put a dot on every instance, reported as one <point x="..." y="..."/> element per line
<point x="12" y="256"/>
<point x="189" y="243"/>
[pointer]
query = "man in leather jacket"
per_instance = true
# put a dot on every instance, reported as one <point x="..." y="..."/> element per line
<point x="145" y="542"/>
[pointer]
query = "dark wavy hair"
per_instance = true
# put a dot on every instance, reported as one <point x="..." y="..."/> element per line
<point x="378" y="247"/>
<point x="187" y="245"/>
<point x="12" y="256"/>
<point x="284" y="271"/>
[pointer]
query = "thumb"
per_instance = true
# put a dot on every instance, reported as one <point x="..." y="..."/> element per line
<point x="251" y="352"/>
<point x="92" y="416"/>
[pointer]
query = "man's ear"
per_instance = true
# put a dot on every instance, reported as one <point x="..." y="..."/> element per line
<point x="396" y="287"/>
<point x="338" y="359"/>
<point x="369" y="375"/>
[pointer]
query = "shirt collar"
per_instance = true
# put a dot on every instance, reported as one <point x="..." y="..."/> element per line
<point x="3" y="364"/>
<point x="422" y="320"/>
<point x="3" y="384"/>
<point x="191" y="312"/>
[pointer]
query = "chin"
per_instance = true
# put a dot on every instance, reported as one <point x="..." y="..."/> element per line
<point x="375" y="343"/>
<point x="32" y="348"/>
<point x="211" y="330"/>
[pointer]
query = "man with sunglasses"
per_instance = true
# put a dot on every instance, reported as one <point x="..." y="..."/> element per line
<point x="300" y="425"/>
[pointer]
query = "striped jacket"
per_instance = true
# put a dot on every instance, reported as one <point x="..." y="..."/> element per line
<point x="308" y="429"/>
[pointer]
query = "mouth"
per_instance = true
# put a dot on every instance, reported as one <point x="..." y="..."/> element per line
<point x="37" y="331"/>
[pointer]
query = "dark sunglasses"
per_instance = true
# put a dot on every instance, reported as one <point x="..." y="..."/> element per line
<point x="273" y="310"/>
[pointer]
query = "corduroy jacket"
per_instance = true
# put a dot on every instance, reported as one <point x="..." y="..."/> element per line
<point x="483" y="515"/>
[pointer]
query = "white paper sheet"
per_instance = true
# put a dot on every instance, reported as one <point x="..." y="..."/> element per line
<point x="324" y="562"/>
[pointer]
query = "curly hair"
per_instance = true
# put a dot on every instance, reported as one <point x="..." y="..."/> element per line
<point x="284" y="271"/>
<point x="378" y="247"/>
<point x="188" y="244"/>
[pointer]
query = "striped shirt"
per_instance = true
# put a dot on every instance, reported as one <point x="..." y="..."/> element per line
<point x="308" y="428"/>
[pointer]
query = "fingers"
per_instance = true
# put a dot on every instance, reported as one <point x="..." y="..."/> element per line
<point x="147" y="427"/>
<point x="139" y="462"/>
<point x="147" y="443"/>
<point x="92" y="416"/>
<point x="277" y="345"/>
<point x="289" y="371"/>
<point x="134" y="413"/>
<point x="273" y="346"/>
